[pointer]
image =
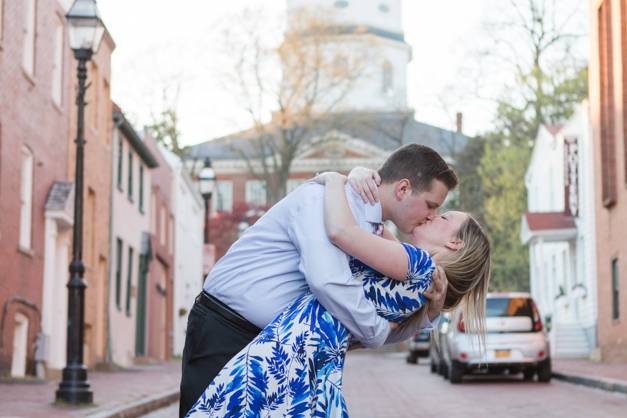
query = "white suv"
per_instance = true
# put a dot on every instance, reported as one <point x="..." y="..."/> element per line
<point x="515" y="341"/>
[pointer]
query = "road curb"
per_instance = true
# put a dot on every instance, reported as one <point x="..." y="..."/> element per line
<point x="140" y="407"/>
<point x="609" y="385"/>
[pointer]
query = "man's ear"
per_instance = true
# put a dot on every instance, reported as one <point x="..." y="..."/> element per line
<point x="455" y="244"/>
<point x="402" y="189"/>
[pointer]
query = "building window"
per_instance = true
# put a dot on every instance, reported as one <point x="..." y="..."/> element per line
<point x="120" y="160"/>
<point x="384" y="8"/>
<point x="615" y="290"/>
<point x="118" y="274"/>
<point x="129" y="281"/>
<point x="28" y="48"/>
<point x="341" y="4"/>
<point x="606" y="73"/>
<point x="222" y="201"/>
<point x="256" y="192"/>
<point x="130" y="176"/>
<point x="57" y="63"/>
<point x="387" y="83"/>
<point x="141" y="187"/>
<point x="26" y="198"/>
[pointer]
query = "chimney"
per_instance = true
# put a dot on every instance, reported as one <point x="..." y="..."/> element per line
<point x="459" y="117"/>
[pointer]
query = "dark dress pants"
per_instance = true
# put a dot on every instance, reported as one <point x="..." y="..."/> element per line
<point x="210" y="342"/>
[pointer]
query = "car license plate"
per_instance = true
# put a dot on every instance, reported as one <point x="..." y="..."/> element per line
<point x="502" y="353"/>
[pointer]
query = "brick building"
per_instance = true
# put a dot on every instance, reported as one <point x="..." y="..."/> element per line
<point x="37" y="150"/>
<point x="608" y="114"/>
<point x="35" y="104"/>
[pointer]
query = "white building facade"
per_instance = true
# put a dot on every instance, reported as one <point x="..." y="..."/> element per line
<point x="559" y="229"/>
<point x="188" y="246"/>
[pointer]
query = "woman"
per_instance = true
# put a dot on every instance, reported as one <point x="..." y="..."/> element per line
<point x="294" y="366"/>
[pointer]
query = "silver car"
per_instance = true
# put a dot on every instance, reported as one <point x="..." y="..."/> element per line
<point x="515" y="341"/>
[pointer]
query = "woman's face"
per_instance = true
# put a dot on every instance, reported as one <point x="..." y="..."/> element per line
<point x="440" y="233"/>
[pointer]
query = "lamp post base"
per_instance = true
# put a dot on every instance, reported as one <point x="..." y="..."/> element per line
<point x="74" y="388"/>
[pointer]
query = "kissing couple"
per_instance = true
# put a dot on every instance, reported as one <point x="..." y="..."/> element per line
<point x="320" y="273"/>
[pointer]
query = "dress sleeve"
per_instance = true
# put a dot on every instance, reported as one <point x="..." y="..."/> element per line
<point x="419" y="262"/>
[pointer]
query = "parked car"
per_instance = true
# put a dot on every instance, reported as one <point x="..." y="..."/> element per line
<point x="435" y="345"/>
<point x="515" y="341"/>
<point x="418" y="346"/>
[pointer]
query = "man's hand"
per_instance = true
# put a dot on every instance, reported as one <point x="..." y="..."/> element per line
<point x="365" y="182"/>
<point x="437" y="294"/>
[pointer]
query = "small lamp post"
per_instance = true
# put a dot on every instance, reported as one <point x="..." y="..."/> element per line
<point x="86" y="30"/>
<point x="207" y="183"/>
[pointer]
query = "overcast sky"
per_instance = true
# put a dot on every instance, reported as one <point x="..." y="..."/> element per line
<point x="174" y="43"/>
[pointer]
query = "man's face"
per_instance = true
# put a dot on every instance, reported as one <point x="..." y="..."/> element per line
<point x="415" y="208"/>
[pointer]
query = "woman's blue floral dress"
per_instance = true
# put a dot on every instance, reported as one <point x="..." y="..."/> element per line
<point x="293" y="368"/>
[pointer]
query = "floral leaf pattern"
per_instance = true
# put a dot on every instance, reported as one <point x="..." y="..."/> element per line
<point x="293" y="368"/>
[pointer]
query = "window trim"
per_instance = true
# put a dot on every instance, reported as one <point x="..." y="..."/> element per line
<point x="25" y="239"/>
<point x="60" y="55"/>
<point x="30" y="74"/>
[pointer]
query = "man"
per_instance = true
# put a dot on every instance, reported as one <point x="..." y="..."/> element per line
<point x="288" y="251"/>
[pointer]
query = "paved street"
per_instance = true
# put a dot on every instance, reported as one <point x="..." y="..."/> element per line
<point x="384" y="386"/>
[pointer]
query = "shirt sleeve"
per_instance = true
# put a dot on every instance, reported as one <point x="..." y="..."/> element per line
<point x="328" y="274"/>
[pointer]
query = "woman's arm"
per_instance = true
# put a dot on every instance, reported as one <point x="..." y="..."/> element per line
<point x="385" y="256"/>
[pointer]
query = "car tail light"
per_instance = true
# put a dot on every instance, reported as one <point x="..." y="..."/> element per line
<point x="541" y="354"/>
<point x="537" y="320"/>
<point x="463" y="356"/>
<point x="461" y="327"/>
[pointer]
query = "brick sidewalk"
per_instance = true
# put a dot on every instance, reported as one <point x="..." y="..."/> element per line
<point x="113" y="391"/>
<point x="607" y="376"/>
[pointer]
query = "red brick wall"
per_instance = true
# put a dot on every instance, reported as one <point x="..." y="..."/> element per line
<point x="28" y="117"/>
<point x="607" y="96"/>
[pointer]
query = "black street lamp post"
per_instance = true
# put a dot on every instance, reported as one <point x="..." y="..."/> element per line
<point x="86" y="30"/>
<point x="207" y="181"/>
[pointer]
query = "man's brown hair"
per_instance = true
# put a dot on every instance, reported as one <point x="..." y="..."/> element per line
<point x="418" y="164"/>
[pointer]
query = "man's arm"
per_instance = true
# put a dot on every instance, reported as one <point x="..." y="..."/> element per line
<point x="328" y="275"/>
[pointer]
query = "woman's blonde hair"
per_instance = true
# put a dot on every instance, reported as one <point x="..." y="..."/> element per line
<point x="468" y="274"/>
